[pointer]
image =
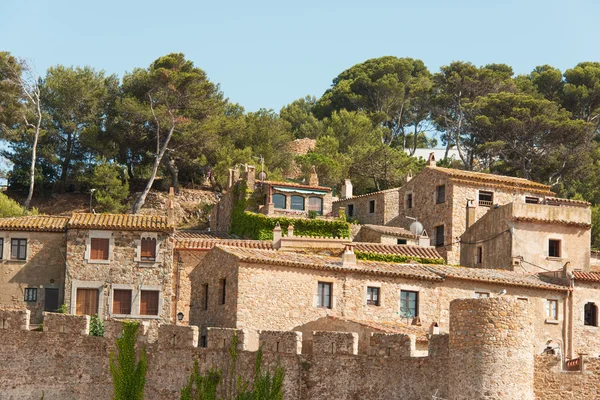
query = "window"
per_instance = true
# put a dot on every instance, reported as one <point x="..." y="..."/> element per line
<point x="401" y="241"/>
<point x="324" y="294"/>
<point x="408" y="201"/>
<point x="439" y="235"/>
<point x="205" y="291"/>
<point x="99" y="248"/>
<point x="30" y="294"/>
<point x="315" y="204"/>
<point x="279" y="201"/>
<point x="121" y="301"/>
<point x="350" y="210"/>
<point x="532" y="200"/>
<point x="297" y="203"/>
<point x="486" y="199"/>
<point x="148" y="251"/>
<point x="409" y="303"/>
<point x="479" y="256"/>
<point x="590" y="314"/>
<point x="373" y="296"/>
<point x="440" y="194"/>
<point x="223" y="290"/>
<point x="149" y="302"/>
<point x="87" y="302"/>
<point x="1" y="248"/>
<point x="203" y="341"/>
<point x="18" y="250"/>
<point x="553" y="248"/>
<point x="371" y="206"/>
<point x="552" y="309"/>
<point x="482" y="295"/>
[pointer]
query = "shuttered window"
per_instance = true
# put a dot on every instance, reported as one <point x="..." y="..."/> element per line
<point x="18" y="250"/>
<point x="148" y="249"/>
<point x="99" y="248"/>
<point x="149" y="302"/>
<point x="87" y="302"/>
<point x="121" y="301"/>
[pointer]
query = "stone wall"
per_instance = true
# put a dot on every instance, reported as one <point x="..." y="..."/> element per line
<point x="43" y="269"/>
<point x="386" y="207"/>
<point x="553" y="383"/>
<point x="186" y="261"/>
<point x="586" y="338"/>
<point x="121" y="271"/>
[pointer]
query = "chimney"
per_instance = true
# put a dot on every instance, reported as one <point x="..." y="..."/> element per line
<point x="471" y="212"/>
<point x="434" y="328"/>
<point x="431" y="161"/>
<point x="291" y="230"/>
<point x="409" y="176"/>
<point x="348" y="257"/>
<point x="424" y="240"/>
<point x="250" y="176"/>
<point x="277" y="236"/>
<point x="313" y="178"/>
<point x="347" y="189"/>
<point x="170" y="210"/>
<point x="230" y="178"/>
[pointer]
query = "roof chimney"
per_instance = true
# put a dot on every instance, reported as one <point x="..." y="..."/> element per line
<point x="170" y="210"/>
<point x="471" y="212"/>
<point x="313" y="178"/>
<point x="346" y="189"/>
<point x="431" y="161"/>
<point x="348" y="257"/>
<point x="409" y="176"/>
<point x="277" y="236"/>
<point x="290" y="230"/>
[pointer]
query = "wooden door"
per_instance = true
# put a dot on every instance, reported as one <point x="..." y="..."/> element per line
<point x="87" y="301"/>
<point x="50" y="300"/>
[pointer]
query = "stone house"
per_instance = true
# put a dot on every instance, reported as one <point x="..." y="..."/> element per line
<point x="378" y="208"/>
<point x="120" y="266"/>
<point x="275" y="290"/>
<point x="32" y="263"/>
<point x="529" y="237"/>
<point x="385" y="235"/>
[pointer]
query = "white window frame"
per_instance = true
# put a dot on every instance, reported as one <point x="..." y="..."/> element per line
<point x="365" y="297"/>
<point x="77" y="284"/>
<point x="136" y="302"/>
<point x="138" y="250"/>
<point x="333" y="293"/>
<point x="114" y="287"/>
<point x="99" y="235"/>
<point x="477" y="292"/>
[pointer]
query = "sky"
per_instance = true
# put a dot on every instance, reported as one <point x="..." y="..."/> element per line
<point x="266" y="54"/>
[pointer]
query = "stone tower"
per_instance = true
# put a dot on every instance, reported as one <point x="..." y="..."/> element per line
<point x="490" y="350"/>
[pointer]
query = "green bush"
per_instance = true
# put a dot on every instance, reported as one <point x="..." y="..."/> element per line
<point x="96" y="326"/>
<point x="63" y="309"/>
<point x="312" y="214"/>
<point x="10" y="208"/>
<point x="111" y="188"/>
<point x="129" y="375"/>
<point x="396" y="258"/>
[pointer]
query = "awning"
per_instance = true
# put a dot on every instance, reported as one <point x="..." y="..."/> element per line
<point x="298" y="190"/>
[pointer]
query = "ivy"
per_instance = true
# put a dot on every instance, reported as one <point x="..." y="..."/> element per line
<point x="129" y="375"/>
<point x="260" y="227"/>
<point x="396" y="258"/>
<point x="96" y="326"/>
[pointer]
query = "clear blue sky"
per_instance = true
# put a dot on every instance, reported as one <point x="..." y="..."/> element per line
<point x="266" y="54"/>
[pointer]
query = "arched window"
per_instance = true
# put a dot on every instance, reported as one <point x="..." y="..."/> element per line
<point x="315" y="204"/>
<point x="279" y="201"/>
<point x="590" y="314"/>
<point x="297" y="203"/>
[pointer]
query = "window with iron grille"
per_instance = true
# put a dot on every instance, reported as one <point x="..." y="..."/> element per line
<point x="149" y="302"/>
<point x="373" y="296"/>
<point x="324" y="294"/>
<point x="30" y="294"/>
<point x="440" y="196"/>
<point x="18" y="249"/>
<point x="409" y="303"/>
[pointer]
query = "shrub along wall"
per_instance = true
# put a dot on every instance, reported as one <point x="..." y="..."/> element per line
<point x="396" y="258"/>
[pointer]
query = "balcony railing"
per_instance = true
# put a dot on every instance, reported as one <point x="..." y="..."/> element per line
<point x="485" y="203"/>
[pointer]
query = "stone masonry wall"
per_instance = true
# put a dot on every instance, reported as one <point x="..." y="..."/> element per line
<point x="43" y="269"/>
<point x="586" y="338"/>
<point x="386" y="207"/>
<point x="186" y="261"/>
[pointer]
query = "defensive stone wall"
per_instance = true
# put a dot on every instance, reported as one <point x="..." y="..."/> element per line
<point x="487" y="355"/>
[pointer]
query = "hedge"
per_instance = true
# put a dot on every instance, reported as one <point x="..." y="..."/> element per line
<point x="396" y="258"/>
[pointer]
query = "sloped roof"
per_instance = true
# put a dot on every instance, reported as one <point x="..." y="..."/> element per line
<point x="389" y="230"/>
<point x="296" y="185"/>
<point x="207" y="244"/>
<point x="124" y="222"/>
<point x="197" y="234"/>
<point x="393" y="326"/>
<point x="553" y="221"/>
<point x="39" y="223"/>
<point x="483" y="178"/>
<point x="399" y="249"/>
<point x="406" y="270"/>
<point x="369" y="194"/>
<point x="586" y="276"/>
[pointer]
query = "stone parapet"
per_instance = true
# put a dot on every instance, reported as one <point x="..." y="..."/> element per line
<point x="14" y="320"/>
<point x="335" y="343"/>
<point x="67" y="323"/>
<point x="222" y="338"/>
<point x="281" y="342"/>
<point x="177" y="336"/>
<point x="392" y="345"/>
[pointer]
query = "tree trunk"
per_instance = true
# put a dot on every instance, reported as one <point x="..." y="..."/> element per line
<point x="142" y="199"/>
<point x="33" y="157"/>
<point x="174" y="173"/>
<point x="65" y="165"/>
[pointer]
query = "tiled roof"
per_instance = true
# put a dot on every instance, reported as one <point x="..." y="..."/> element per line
<point x="195" y="234"/>
<point x="313" y="261"/>
<point x="481" y="177"/>
<point x="587" y="276"/>
<point x="566" y="201"/>
<point x="553" y="221"/>
<point x="296" y="185"/>
<point x="207" y="244"/>
<point x="417" y="271"/>
<point x="389" y="230"/>
<point x="369" y="194"/>
<point x="40" y="223"/>
<point x="394" y="326"/>
<point x="399" y="249"/>
<point x="125" y="222"/>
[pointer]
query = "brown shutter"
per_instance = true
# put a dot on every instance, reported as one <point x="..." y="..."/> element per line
<point x="148" y="249"/>
<point x="149" y="302"/>
<point x="122" y="302"/>
<point x="99" y="248"/>
<point x="87" y="302"/>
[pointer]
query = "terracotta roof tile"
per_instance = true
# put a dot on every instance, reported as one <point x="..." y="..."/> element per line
<point x="559" y="200"/>
<point x="394" y="326"/>
<point x="399" y="249"/>
<point x="196" y="234"/>
<point x="483" y="177"/>
<point x="207" y="244"/>
<point x="295" y="185"/>
<point x="389" y="230"/>
<point x="40" y="223"/>
<point x="125" y="222"/>
<point x="587" y="276"/>
<point x="369" y="194"/>
<point x="553" y="221"/>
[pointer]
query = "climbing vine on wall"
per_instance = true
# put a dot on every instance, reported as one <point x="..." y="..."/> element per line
<point x="128" y="373"/>
<point x="396" y="258"/>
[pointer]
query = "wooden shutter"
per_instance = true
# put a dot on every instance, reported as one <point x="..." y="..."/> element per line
<point x="148" y="249"/>
<point x="99" y="248"/>
<point x="121" y="301"/>
<point x="149" y="302"/>
<point x="87" y="302"/>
